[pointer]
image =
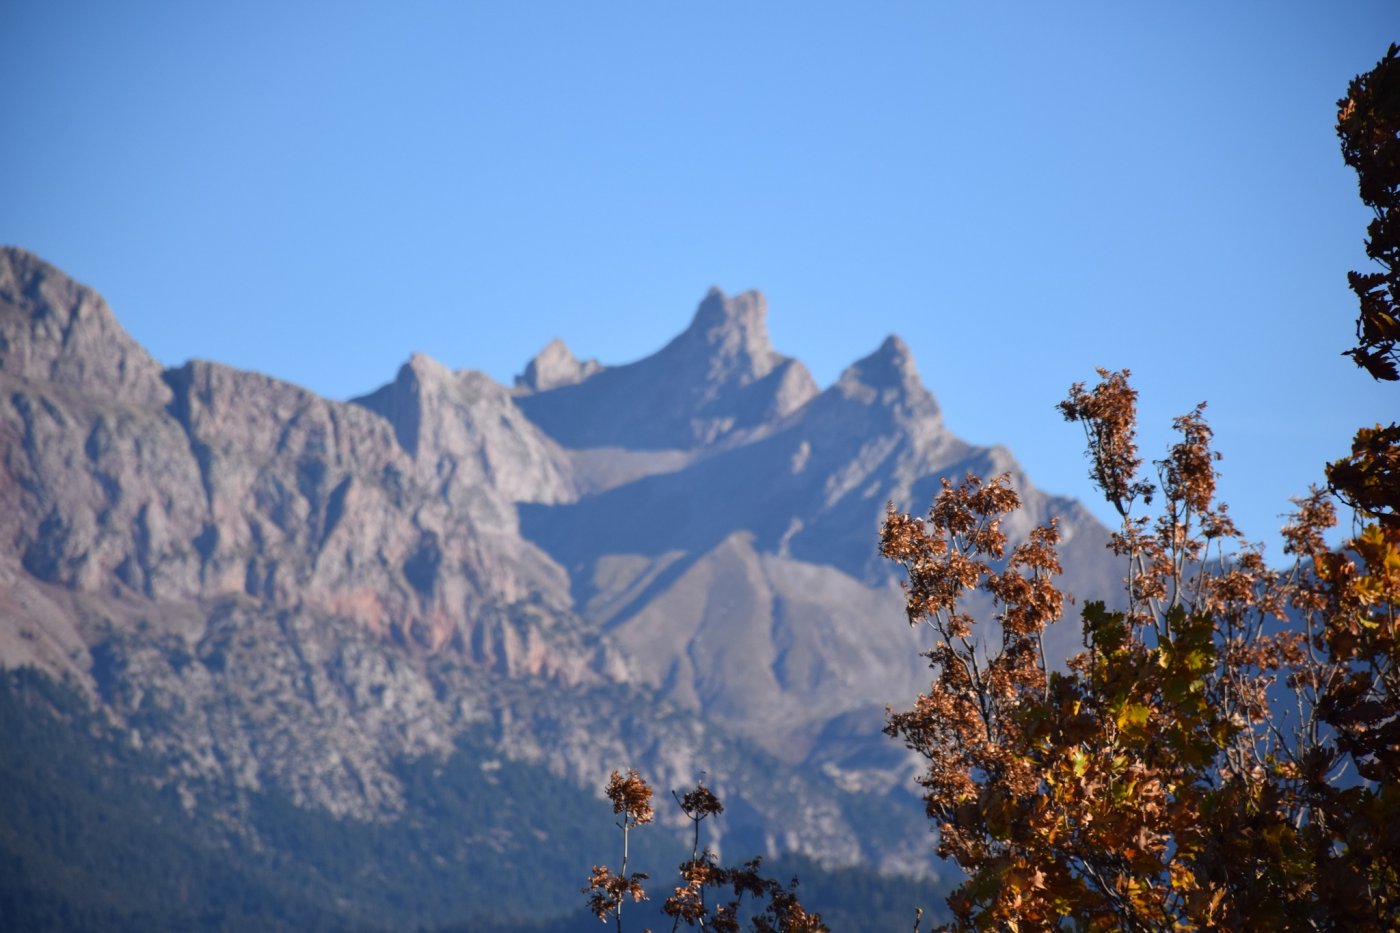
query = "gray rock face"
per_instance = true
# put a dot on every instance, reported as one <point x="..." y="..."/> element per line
<point x="314" y="502"/>
<point x="669" y="564"/>
<point x="204" y="482"/>
<point x="465" y="434"/>
<point x="55" y="331"/>
<point x="555" y="366"/>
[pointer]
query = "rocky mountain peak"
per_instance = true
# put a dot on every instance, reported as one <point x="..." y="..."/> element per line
<point x="895" y="354"/>
<point x="401" y="401"/>
<point x="465" y="433"/>
<point x="555" y="366"/>
<point x="54" y="330"/>
<point x="423" y="363"/>
<point x="890" y="366"/>
<point x="720" y="378"/>
<point x="746" y="309"/>
<point x="732" y="335"/>
<point x="890" y="378"/>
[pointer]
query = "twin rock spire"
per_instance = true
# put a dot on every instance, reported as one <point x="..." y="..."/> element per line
<point x="719" y="378"/>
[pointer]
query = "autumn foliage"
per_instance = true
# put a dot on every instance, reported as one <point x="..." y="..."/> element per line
<point x="1368" y="124"/>
<point x="709" y="895"/>
<point x="1222" y="753"/>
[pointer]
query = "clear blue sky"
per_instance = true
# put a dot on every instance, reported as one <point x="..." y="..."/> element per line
<point x="1023" y="191"/>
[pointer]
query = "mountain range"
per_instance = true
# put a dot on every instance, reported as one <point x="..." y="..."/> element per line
<point x="251" y="600"/>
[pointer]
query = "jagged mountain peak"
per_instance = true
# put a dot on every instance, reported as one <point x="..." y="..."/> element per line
<point x="432" y="378"/>
<point x="889" y="377"/>
<point x="463" y="431"/>
<point x="400" y="402"/>
<point x="730" y="335"/>
<point x="894" y="353"/>
<point x="890" y="365"/>
<point x="718" y="379"/>
<point x="746" y="309"/>
<point x="56" y="330"/>
<point x="555" y="366"/>
<point x="421" y="364"/>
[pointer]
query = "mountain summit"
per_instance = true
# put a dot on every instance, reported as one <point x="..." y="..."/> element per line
<point x="732" y="334"/>
<point x="55" y="330"/>
<point x="891" y="373"/>
<point x="554" y="366"/>
<point x="718" y="381"/>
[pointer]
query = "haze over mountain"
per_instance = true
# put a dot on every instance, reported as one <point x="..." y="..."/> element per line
<point x="669" y="564"/>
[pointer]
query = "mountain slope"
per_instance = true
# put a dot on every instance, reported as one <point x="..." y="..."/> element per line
<point x="744" y="579"/>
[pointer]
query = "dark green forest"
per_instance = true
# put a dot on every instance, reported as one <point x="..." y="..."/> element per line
<point x="89" y="841"/>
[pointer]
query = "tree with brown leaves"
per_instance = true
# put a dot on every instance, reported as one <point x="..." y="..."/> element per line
<point x="608" y="891"/>
<point x="1224" y="751"/>
<point x="770" y="906"/>
<point x="1368" y="124"/>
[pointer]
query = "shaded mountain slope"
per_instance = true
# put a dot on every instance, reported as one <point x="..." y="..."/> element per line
<point x="743" y="580"/>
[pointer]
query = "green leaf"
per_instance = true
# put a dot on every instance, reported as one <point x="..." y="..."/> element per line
<point x="1133" y="715"/>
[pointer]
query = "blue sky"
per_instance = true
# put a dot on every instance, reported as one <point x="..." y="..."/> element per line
<point x="1023" y="191"/>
